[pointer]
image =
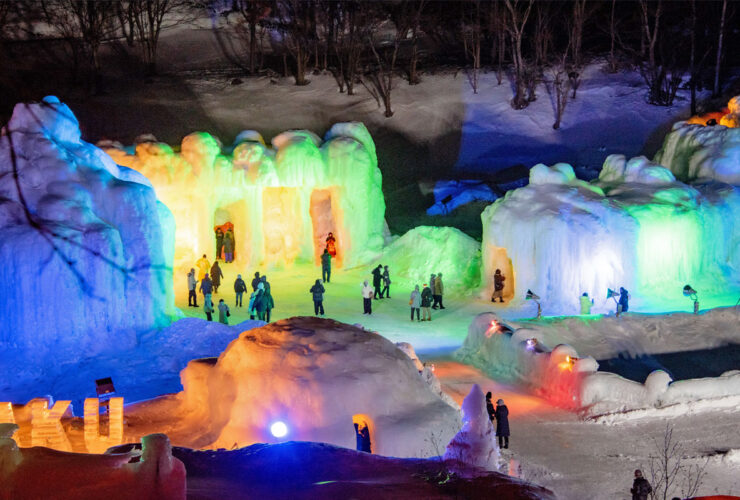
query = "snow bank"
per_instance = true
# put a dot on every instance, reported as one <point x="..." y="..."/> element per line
<point x="459" y="193"/>
<point x="427" y="250"/>
<point x="86" y="264"/>
<point x="43" y="473"/>
<point x="315" y="375"/>
<point x="636" y="227"/>
<point x="572" y="381"/>
<point x="475" y="444"/>
<point x="283" y="201"/>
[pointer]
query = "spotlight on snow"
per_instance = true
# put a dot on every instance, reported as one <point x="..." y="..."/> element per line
<point x="568" y="364"/>
<point x="495" y="327"/>
<point x="279" y="429"/>
<point x="689" y="292"/>
<point x="531" y="344"/>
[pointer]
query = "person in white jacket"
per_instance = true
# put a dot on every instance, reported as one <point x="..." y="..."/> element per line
<point x="367" y="297"/>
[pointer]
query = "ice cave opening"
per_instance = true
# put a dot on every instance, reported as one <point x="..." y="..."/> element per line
<point x="499" y="259"/>
<point x="234" y="217"/>
<point x="364" y="430"/>
<point x="324" y="223"/>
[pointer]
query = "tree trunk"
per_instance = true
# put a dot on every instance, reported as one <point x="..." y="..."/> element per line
<point x="252" y="43"/>
<point x="613" y="36"/>
<point x="692" y="60"/>
<point x="716" y="90"/>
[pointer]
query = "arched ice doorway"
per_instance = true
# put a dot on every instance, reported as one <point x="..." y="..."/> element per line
<point x="500" y="260"/>
<point x="323" y="205"/>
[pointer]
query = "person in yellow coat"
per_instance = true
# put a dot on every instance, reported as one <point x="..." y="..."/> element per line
<point x="204" y="267"/>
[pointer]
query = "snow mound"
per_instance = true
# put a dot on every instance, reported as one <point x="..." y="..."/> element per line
<point x="475" y="444"/>
<point x="315" y="375"/>
<point x="427" y="250"/>
<point x="84" y="243"/>
<point x="635" y="227"/>
<point x="459" y="193"/>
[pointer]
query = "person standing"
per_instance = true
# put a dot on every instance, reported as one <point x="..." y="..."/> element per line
<point x="223" y="312"/>
<point x="498" y="286"/>
<point x="250" y="306"/>
<point x="367" y="298"/>
<point x="431" y="283"/>
<point x="415" y="303"/>
<point x="229" y="247"/>
<point x="331" y="245"/>
<point x="586" y="303"/>
<point x="269" y="304"/>
<point x="623" y="305"/>
<point x="489" y="407"/>
<point x="204" y="267"/>
<point x="502" y="424"/>
<point x="216" y="275"/>
<point x="317" y="291"/>
<point x="239" y="288"/>
<point x="326" y="266"/>
<point x="206" y="286"/>
<point x="256" y="281"/>
<point x="377" y="279"/>
<point x="426" y="302"/>
<point x="260" y="302"/>
<point x="208" y="306"/>
<point x="219" y="243"/>
<point x="192" y="283"/>
<point x="437" y="292"/>
<point x="640" y="487"/>
<point x="386" y="291"/>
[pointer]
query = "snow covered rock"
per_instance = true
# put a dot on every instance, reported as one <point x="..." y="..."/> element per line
<point x="475" y="444"/>
<point x="428" y="249"/>
<point x="316" y="376"/>
<point x="459" y="193"/>
<point x="86" y="264"/>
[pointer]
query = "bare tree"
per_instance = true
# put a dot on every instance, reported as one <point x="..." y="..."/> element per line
<point x="612" y="38"/>
<point x="662" y="77"/>
<point x="470" y="26"/>
<point x="518" y="14"/>
<point x="498" y="29"/>
<point x="379" y="71"/>
<point x="578" y="19"/>
<point x="351" y="23"/>
<point x="251" y="12"/>
<point x="414" y="28"/>
<point x="716" y="88"/>
<point x="298" y="27"/>
<point x="669" y="472"/>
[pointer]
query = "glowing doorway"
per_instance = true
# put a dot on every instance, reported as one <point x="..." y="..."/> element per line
<point x="322" y="218"/>
<point x="500" y="260"/>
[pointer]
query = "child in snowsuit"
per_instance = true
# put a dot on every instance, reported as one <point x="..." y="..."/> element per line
<point x="223" y="312"/>
<point x="208" y="307"/>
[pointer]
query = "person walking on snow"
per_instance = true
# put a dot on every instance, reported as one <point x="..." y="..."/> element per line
<point x="192" y="283"/>
<point x="206" y="286"/>
<point x="256" y="281"/>
<point x="437" y="292"/>
<point x="386" y="291"/>
<point x="239" y="288"/>
<point x="216" y="275"/>
<point x="498" y="286"/>
<point x="502" y="424"/>
<point x="260" y="302"/>
<point x="204" y="267"/>
<point x="640" y="487"/>
<point x="208" y="306"/>
<point x="326" y="266"/>
<point x="367" y="298"/>
<point x="586" y="303"/>
<point x="317" y="291"/>
<point x="426" y="302"/>
<point x="269" y="304"/>
<point x="415" y="303"/>
<point x="377" y="278"/>
<point x="250" y="306"/>
<point x="223" y="312"/>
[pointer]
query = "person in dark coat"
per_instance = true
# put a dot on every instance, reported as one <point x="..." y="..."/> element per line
<point x="623" y="305"/>
<point x="640" y="487"/>
<point x="502" y="424"/>
<point x="229" y="246"/>
<point x="386" y="291"/>
<point x="206" y="286"/>
<point x="219" y="243"/>
<point x="318" y="297"/>
<point x="256" y="281"/>
<point x="377" y="279"/>
<point x="437" y="291"/>
<point x="239" y="287"/>
<point x="362" y="433"/>
<point x="498" y="286"/>
<point x="192" y="282"/>
<point x="326" y="265"/>
<point x="260" y="302"/>
<point x="489" y="407"/>
<point x="269" y="305"/>
<point x="216" y="275"/>
<point x="426" y="302"/>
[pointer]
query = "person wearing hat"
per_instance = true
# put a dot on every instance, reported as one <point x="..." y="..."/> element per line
<point x="502" y="424"/>
<point x="640" y="487"/>
<point x="426" y="302"/>
<point x="239" y="288"/>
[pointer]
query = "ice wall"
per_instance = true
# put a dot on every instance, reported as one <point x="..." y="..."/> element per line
<point x="315" y="375"/>
<point x="82" y="241"/>
<point x="283" y="200"/>
<point x="636" y="226"/>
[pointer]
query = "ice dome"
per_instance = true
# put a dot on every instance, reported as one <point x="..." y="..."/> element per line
<point x="84" y="243"/>
<point x="317" y="376"/>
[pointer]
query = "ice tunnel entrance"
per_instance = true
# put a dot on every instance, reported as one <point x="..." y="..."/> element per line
<point x="500" y="260"/>
<point x="283" y="226"/>
<point x="363" y="432"/>
<point x="322" y="218"/>
<point x="232" y="217"/>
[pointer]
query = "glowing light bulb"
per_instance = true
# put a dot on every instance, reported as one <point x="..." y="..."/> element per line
<point x="279" y="429"/>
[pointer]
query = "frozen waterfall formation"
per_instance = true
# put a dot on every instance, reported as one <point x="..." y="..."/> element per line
<point x="83" y="242"/>
<point x="651" y="227"/>
<point x="282" y="201"/>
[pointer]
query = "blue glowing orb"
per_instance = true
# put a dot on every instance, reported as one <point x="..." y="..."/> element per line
<point x="279" y="429"/>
